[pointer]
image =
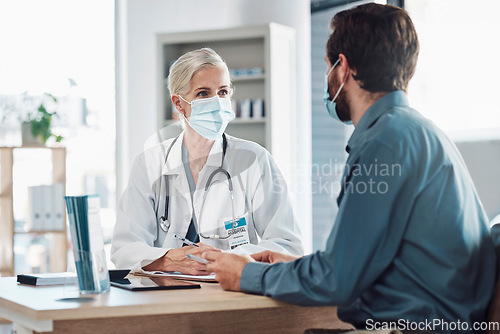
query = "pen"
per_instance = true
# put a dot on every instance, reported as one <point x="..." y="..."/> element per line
<point x="198" y="259"/>
<point x="186" y="241"/>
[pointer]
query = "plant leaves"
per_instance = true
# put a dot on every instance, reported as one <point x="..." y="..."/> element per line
<point x="51" y="96"/>
<point x="41" y="122"/>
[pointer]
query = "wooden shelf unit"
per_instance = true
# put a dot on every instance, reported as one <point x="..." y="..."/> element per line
<point x="58" y="247"/>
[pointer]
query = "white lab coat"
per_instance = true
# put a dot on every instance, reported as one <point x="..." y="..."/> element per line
<point x="260" y="195"/>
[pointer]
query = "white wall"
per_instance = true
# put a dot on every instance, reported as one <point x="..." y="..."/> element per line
<point x="138" y="22"/>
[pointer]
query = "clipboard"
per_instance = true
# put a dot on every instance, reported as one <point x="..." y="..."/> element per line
<point x="177" y="276"/>
<point x="142" y="283"/>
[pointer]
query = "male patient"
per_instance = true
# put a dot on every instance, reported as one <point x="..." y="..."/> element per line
<point x="411" y="241"/>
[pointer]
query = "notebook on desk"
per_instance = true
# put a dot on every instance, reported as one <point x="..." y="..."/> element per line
<point x="47" y="279"/>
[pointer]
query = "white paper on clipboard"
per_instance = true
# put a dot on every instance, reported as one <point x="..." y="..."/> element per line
<point x="178" y="275"/>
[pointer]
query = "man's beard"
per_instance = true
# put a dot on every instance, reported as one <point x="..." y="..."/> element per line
<point x="342" y="108"/>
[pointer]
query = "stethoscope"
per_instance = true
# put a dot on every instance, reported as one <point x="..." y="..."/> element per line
<point x="164" y="224"/>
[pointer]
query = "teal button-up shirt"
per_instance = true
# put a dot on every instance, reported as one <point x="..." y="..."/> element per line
<point x="411" y="240"/>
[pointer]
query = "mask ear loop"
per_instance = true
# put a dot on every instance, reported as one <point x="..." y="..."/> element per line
<point x="329" y="72"/>
<point x="184" y="100"/>
<point x="343" y="82"/>
<point x="184" y="117"/>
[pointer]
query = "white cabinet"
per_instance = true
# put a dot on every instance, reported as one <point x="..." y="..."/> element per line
<point x="269" y="53"/>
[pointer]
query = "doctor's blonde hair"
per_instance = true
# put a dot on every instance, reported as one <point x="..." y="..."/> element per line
<point x="188" y="64"/>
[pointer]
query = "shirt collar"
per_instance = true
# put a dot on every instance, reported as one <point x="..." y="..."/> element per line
<point x="381" y="106"/>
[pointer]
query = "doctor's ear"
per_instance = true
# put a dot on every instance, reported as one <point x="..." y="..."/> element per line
<point x="176" y="101"/>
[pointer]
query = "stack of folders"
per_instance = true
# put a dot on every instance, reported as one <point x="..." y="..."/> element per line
<point x="88" y="243"/>
<point x="46" y="205"/>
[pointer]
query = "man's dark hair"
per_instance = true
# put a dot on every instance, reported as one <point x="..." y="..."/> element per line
<point x="380" y="43"/>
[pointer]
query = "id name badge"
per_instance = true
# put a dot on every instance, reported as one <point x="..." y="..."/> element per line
<point x="237" y="232"/>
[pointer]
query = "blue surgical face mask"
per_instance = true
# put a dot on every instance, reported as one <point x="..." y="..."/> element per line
<point x="331" y="106"/>
<point x="209" y="117"/>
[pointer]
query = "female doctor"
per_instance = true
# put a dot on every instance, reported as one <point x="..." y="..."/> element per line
<point x="205" y="186"/>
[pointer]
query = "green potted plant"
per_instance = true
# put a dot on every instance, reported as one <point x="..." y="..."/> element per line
<point x="37" y="129"/>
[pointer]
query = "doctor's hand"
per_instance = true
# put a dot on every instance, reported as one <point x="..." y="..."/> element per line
<point x="273" y="257"/>
<point x="176" y="260"/>
<point x="227" y="268"/>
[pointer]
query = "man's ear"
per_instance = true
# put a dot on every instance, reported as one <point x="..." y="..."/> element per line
<point x="176" y="101"/>
<point x="344" y="69"/>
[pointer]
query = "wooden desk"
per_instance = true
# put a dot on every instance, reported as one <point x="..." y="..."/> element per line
<point x="205" y="310"/>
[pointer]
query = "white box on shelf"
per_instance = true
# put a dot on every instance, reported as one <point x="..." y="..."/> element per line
<point x="35" y="208"/>
<point x="258" y="108"/>
<point x="39" y="223"/>
<point x="57" y="201"/>
<point x="46" y="221"/>
<point x="245" y="108"/>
